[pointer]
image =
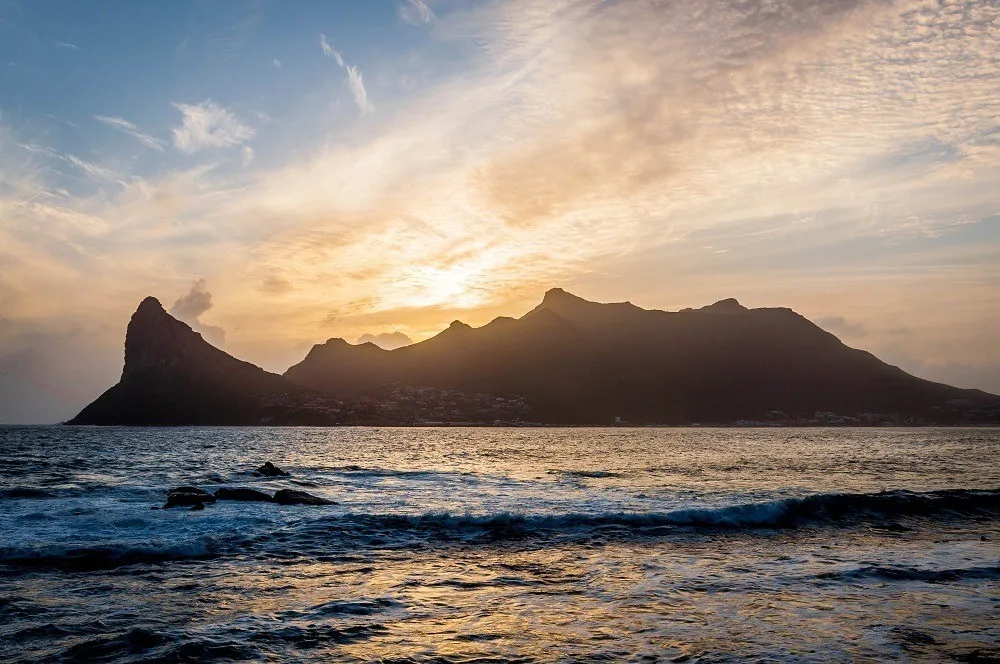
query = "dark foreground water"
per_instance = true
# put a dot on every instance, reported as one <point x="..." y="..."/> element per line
<point x="474" y="545"/>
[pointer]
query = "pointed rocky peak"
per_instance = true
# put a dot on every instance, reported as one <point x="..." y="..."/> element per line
<point x="557" y="297"/>
<point x="155" y="338"/>
<point x="728" y="306"/>
<point x="173" y="376"/>
<point x="564" y="303"/>
<point x="150" y="306"/>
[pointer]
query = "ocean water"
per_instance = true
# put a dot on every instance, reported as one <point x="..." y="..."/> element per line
<point x="482" y="545"/>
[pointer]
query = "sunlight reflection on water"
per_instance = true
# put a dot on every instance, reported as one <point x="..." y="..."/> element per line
<point x="546" y="554"/>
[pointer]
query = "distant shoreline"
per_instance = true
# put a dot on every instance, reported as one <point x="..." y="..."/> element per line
<point x="471" y="425"/>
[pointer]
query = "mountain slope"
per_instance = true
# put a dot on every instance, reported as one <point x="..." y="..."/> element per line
<point x="173" y="376"/>
<point x="583" y="362"/>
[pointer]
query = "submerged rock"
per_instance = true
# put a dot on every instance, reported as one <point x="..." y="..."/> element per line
<point x="198" y="506"/>
<point x="188" y="496"/>
<point x="293" y="497"/>
<point x="270" y="470"/>
<point x="243" y="494"/>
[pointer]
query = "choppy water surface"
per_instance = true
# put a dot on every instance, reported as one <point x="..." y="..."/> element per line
<point x="472" y="545"/>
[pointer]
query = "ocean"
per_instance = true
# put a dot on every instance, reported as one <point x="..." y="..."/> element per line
<point x="502" y="545"/>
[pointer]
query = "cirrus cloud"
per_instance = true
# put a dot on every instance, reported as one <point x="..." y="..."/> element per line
<point x="355" y="81"/>
<point x="208" y="125"/>
<point x="124" y="125"/>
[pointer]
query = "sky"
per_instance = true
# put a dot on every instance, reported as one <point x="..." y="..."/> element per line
<point x="280" y="173"/>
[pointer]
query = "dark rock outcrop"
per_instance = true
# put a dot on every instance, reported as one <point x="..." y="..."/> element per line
<point x="242" y="494"/>
<point x="188" y="496"/>
<point x="195" y="498"/>
<point x="270" y="470"/>
<point x="294" y="497"/>
<point x="174" y="377"/>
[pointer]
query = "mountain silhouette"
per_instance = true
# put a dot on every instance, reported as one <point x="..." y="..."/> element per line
<point x="172" y="376"/>
<point x="567" y="361"/>
<point x="582" y="362"/>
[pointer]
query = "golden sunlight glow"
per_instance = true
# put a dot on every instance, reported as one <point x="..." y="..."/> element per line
<point x="669" y="154"/>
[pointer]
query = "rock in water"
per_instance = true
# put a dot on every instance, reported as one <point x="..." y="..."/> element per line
<point x="243" y="494"/>
<point x="270" y="470"/>
<point x="293" y="497"/>
<point x="197" y="506"/>
<point x="188" y="496"/>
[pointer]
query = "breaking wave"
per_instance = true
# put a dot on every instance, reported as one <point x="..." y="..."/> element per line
<point x="87" y="558"/>
<point x="836" y="508"/>
<point x="318" y="532"/>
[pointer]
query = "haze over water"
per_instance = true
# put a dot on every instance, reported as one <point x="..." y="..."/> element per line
<point x="460" y="545"/>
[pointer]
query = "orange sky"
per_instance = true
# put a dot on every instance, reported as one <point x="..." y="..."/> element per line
<point x="839" y="157"/>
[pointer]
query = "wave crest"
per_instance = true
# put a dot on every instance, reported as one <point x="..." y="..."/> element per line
<point x="836" y="508"/>
<point x="393" y="529"/>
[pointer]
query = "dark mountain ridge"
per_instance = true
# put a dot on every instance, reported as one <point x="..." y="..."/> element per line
<point x="582" y="362"/>
<point x="567" y="361"/>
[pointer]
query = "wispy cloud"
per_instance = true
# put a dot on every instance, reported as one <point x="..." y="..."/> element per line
<point x="329" y="51"/>
<point x="355" y="81"/>
<point x="60" y="120"/>
<point x="89" y="168"/>
<point x="276" y="62"/>
<point x="416" y="12"/>
<point x="130" y="129"/>
<point x="357" y="84"/>
<point x="94" y="170"/>
<point x="62" y="44"/>
<point x="208" y="125"/>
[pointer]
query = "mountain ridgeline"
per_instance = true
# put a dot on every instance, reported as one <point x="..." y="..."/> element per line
<point x="567" y="361"/>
